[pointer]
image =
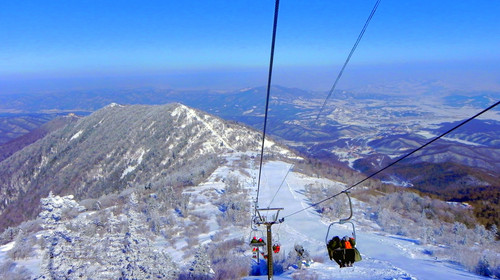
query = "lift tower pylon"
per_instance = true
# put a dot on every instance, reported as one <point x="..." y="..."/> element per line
<point x="264" y="217"/>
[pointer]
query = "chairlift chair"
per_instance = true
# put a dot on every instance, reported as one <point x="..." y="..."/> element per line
<point x="343" y="256"/>
<point x="276" y="244"/>
<point x="257" y="238"/>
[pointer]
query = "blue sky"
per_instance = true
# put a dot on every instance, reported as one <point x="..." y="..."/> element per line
<point x="225" y="44"/>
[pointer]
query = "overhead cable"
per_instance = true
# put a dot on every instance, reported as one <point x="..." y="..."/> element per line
<point x="275" y="25"/>
<point x="349" y="57"/>
<point x="339" y="75"/>
<point x="282" y="182"/>
<point x="341" y="72"/>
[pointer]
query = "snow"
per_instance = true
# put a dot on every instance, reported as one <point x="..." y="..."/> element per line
<point x="138" y="156"/>
<point x="151" y="125"/>
<point x="461" y="141"/>
<point x="128" y="170"/>
<point x="192" y="114"/>
<point x="384" y="256"/>
<point x="6" y="247"/>
<point x="32" y="264"/>
<point x="78" y="134"/>
<point x="426" y="134"/>
<point x="268" y="144"/>
<point x="429" y="135"/>
<point x="113" y="105"/>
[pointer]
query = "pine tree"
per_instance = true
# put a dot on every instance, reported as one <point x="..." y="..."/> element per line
<point x="142" y="260"/>
<point x="101" y="245"/>
<point x="57" y="239"/>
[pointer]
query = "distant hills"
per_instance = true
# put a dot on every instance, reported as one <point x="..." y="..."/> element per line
<point x="13" y="126"/>
<point x="155" y="191"/>
<point x="9" y="148"/>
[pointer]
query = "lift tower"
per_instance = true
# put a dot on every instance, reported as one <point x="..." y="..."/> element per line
<point x="268" y="217"/>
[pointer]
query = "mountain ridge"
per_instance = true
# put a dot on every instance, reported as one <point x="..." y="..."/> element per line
<point x="119" y="146"/>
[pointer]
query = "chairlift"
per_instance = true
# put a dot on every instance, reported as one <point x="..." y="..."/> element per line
<point x="343" y="251"/>
<point x="257" y="238"/>
<point x="276" y="244"/>
<point x="276" y="248"/>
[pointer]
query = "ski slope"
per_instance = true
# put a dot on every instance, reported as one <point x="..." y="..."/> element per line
<point x="384" y="256"/>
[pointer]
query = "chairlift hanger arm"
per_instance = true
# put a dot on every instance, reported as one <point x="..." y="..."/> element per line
<point x="350" y="207"/>
<point x="260" y="219"/>
<point x="270" y="209"/>
<point x="344" y="220"/>
<point x="340" y="223"/>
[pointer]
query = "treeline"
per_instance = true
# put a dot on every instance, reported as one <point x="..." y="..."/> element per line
<point x="485" y="202"/>
<point x="459" y="183"/>
<point x="445" y="181"/>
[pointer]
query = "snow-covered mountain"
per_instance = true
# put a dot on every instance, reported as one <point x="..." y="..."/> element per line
<point x="116" y="147"/>
<point x="166" y="192"/>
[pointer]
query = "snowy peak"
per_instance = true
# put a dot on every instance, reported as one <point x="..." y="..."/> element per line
<point x="213" y="125"/>
<point x="113" y="105"/>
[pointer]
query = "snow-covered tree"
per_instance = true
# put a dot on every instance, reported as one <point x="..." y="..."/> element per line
<point x="53" y="208"/>
<point x="483" y="267"/>
<point x="12" y="271"/>
<point x="141" y="259"/>
<point x="201" y="267"/>
<point x="460" y="231"/>
<point x="56" y="239"/>
<point x="493" y="233"/>
<point x="101" y="245"/>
